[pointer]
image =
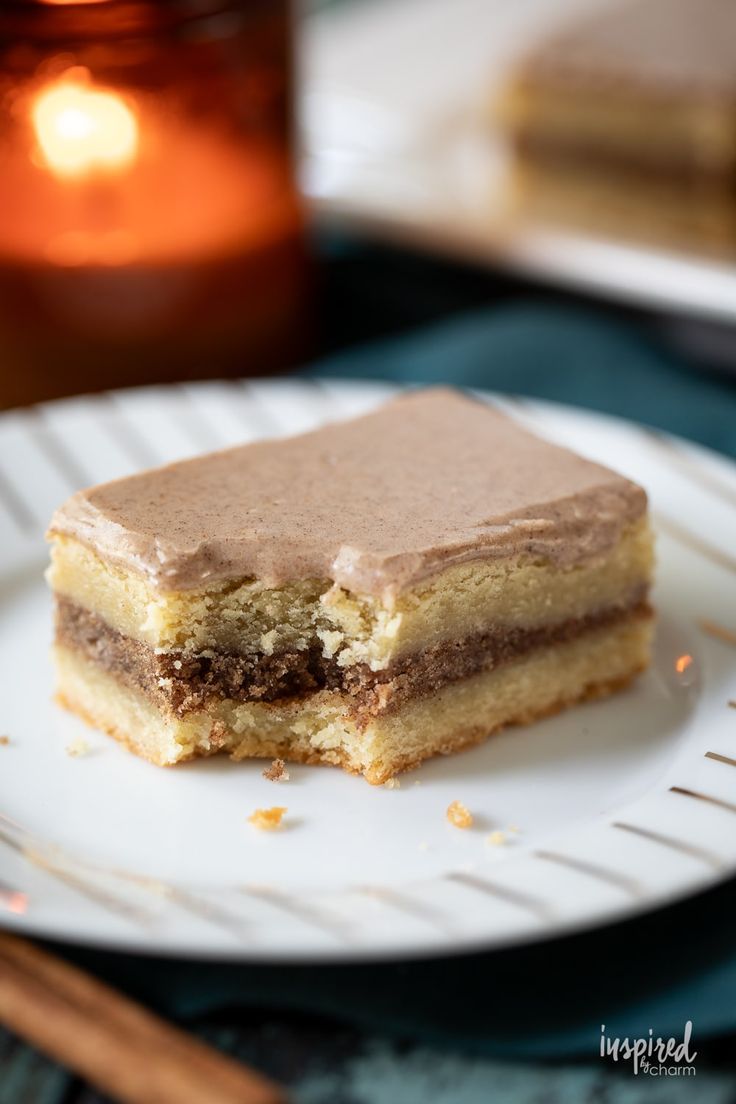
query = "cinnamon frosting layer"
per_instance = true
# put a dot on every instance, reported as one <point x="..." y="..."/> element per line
<point x="661" y="48"/>
<point x="375" y="504"/>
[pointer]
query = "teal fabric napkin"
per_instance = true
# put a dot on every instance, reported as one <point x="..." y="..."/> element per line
<point x="565" y="354"/>
<point x="547" y="1000"/>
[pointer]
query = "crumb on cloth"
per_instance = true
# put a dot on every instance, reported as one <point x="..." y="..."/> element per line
<point x="4" y="741"/>
<point x="458" y="815"/>
<point x="277" y="772"/>
<point x="497" y="838"/>
<point x="392" y="784"/>
<point x="268" y="820"/>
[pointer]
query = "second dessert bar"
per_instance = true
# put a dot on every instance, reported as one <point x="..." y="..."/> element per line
<point x="623" y="120"/>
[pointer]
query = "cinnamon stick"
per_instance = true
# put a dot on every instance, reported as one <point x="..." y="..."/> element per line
<point x="117" y="1045"/>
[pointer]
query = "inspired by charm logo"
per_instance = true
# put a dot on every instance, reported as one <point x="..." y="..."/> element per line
<point x="654" y="1057"/>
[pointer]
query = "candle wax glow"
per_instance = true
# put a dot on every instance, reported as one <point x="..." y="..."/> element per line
<point x="106" y="180"/>
<point x="150" y="223"/>
<point x="80" y="129"/>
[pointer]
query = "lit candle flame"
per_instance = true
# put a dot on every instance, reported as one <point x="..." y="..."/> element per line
<point x="80" y="128"/>
<point x="682" y="663"/>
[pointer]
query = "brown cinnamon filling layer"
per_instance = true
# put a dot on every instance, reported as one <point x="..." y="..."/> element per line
<point x="683" y="170"/>
<point x="179" y="683"/>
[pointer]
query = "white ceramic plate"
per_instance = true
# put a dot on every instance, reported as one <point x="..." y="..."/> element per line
<point x="398" y="143"/>
<point x="620" y="805"/>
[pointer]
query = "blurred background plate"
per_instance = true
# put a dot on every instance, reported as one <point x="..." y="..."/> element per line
<point x="399" y="145"/>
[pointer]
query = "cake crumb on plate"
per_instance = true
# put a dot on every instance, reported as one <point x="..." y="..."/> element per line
<point x="78" y="748"/>
<point x="458" y="815"/>
<point x="268" y="820"/>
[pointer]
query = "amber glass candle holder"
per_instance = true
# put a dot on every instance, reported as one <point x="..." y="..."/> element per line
<point x="150" y="226"/>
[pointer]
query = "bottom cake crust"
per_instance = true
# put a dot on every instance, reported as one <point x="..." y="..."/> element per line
<point x="318" y="728"/>
<point x="653" y="208"/>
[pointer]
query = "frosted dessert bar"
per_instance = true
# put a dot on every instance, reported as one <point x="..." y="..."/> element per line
<point x="370" y="594"/>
